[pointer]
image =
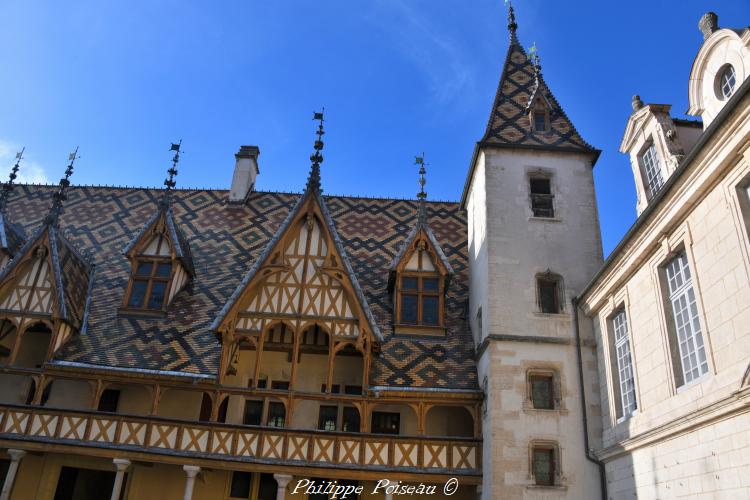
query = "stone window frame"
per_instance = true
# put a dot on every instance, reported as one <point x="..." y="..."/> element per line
<point x="559" y="477"/>
<point x="719" y="85"/>
<point x="659" y="158"/>
<point x="542" y="173"/>
<point x="544" y="370"/>
<point x="619" y="302"/>
<point x="737" y="195"/>
<point x="550" y="276"/>
<point x="670" y="246"/>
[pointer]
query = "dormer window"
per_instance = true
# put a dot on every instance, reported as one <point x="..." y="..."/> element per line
<point x="651" y="170"/>
<point x="419" y="278"/>
<point x="420" y="300"/>
<point x="150" y="285"/>
<point x="161" y="265"/>
<point x="727" y="81"/>
<point x="539" y="116"/>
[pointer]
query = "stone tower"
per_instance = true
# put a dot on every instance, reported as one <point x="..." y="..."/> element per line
<point x="533" y="245"/>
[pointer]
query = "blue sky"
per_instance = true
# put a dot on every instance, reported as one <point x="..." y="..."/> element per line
<point x="397" y="77"/>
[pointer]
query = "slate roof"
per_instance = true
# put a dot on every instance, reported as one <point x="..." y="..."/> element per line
<point x="509" y="123"/>
<point x="225" y="240"/>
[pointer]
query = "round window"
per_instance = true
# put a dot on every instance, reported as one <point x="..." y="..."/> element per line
<point x="726" y="82"/>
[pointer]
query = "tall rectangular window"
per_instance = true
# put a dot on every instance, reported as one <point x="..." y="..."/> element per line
<point x="625" y="374"/>
<point x="652" y="170"/>
<point x="540" y="190"/>
<point x="687" y="328"/>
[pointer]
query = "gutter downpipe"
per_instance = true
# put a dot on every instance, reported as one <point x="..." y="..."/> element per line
<point x="589" y="456"/>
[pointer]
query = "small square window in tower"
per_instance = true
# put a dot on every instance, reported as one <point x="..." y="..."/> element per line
<point x="540" y="189"/>
<point x="541" y="388"/>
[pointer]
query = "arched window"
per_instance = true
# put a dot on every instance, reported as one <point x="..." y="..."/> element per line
<point x="539" y="116"/>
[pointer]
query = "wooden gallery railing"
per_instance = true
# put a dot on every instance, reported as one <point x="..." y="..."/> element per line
<point x="242" y="443"/>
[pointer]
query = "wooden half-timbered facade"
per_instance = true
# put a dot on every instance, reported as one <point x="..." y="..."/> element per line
<point x="184" y="344"/>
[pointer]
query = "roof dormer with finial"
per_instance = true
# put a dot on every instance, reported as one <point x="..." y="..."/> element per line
<point x="48" y="280"/>
<point x="720" y="68"/>
<point x="303" y="277"/>
<point x="160" y="257"/>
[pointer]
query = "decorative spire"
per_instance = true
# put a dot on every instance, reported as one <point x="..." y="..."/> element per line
<point x="169" y="182"/>
<point x="512" y="26"/>
<point x="421" y="195"/>
<point x="313" y="180"/>
<point x="60" y="196"/>
<point x="8" y="186"/>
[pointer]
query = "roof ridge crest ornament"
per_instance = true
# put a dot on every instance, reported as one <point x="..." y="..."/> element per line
<point x="8" y="186"/>
<point x="53" y="217"/>
<point x="421" y="195"/>
<point x="313" y="180"/>
<point x="169" y="182"/>
<point x="512" y="25"/>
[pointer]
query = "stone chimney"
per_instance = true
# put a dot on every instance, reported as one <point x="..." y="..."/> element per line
<point x="245" y="172"/>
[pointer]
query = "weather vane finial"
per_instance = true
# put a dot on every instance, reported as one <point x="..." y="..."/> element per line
<point x="421" y="195"/>
<point x="8" y="186"/>
<point x="60" y="196"/>
<point x="535" y="59"/>
<point x="313" y="180"/>
<point x="169" y="182"/>
<point x="512" y="26"/>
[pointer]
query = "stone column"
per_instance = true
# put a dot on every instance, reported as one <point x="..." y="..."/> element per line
<point x="281" y="480"/>
<point x="190" y="471"/>
<point x="10" y="478"/>
<point x="121" y="464"/>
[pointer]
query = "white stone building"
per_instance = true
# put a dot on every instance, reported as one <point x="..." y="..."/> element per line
<point x="670" y="308"/>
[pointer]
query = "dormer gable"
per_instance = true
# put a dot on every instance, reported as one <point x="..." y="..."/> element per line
<point x="656" y="144"/>
<point x="161" y="264"/>
<point x="418" y="279"/>
<point x="45" y="286"/>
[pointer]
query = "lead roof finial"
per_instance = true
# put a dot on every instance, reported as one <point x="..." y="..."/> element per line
<point x="8" y="186"/>
<point x="313" y="180"/>
<point x="512" y="26"/>
<point x="60" y="196"/>
<point x="421" y="195"/>
<point x="169" y="182"/>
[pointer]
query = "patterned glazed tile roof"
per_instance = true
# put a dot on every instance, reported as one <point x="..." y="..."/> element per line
<point x="225" y="240"/>
<point x="509" y="122"/>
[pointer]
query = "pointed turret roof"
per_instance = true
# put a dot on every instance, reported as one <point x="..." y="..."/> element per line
<point x="509" y="124"/>
<point x="509" y="121"/>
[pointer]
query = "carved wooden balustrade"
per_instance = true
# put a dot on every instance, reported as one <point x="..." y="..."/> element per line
<point x="457" y="456"/>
